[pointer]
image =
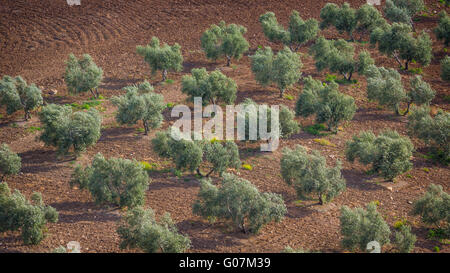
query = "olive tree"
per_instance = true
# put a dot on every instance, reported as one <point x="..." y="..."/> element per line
<point x="339" y="56"/>
<point x="83" y="75"/>
<point x="368" y="18"/>
<point x="10" y="162"/>
<point x="211" y="87"/>
<point x="139" y="229"/>
<point x="287" y="125"/>
<point x="161" y="58"/>
<point x="16" y="95"/>
<point x="299" y="32"/>
<point x="343" y="18"/>
<point x="224" y="41"/>
<point x="134" y="106"/>
<point x="117" y="181"/>
<point x="434" y="131"/>
<point x="360" y="226"/>
<point x="434" y="208"/>
<point x="240" y="202"/>
<point x="385" y="86"/>
<point x="445" y="69"/>
<point x="389" y="153"/>
<point x="282" y="69"/>
<point x="404" y="239"/>
<point x="30" y="217"/>
<point x="442" y="31"/>
<point x="64" y="129"/>
<point x="398" y="42"/>
<point x="193" y="154"/>
<point x="309" y="173"/>
<point x="325" y="101"/>
<point x="403" y="11"/>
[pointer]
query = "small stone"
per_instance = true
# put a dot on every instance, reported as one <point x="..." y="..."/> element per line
<point x="390" y="188"/>
<point x="409" y="202"/>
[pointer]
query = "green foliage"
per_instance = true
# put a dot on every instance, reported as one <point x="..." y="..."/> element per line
<point x="240" y="202"/>
<point x="404" y="239"/>
<point x="134" y="106"/>
<point x="442" y="31"/>
<point x="211" y="87"/>
<point x="434" y="208"/>
<point x="10" y="162"/>
<point x="343" y="18"/>
<point x="360" y="226"/>
<point x="445" y="69"/>
<point x="434" y="131"/>
<point x="389" y="153"/>
<point x="16" y="95"/>
<point x="309" y="173"/>
<point x="338" y="56"/>
<point x="316" y="129"/>
<point x="369" y="18"/>
<point x="328" y="104"/>
<point x="164" y="58"/>
<point x="299" y="31"/>
<point x="282" y="69"/>
<point x="385" y="86"/>
<point x="115" y="181"/>
<point x="64" y="129"/>
<point x="17" y="213"/>
<point x="403" y="11"/>
<point x="287" y="125"/>
<point x="83" y="75"/>
<point x="224" y="41"/>
<point x="139" y="229"/>
<point x="189" y="154"/>
<point x="398" y="42"/>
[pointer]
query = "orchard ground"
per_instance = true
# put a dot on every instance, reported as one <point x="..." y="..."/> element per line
<point x="36" y="38"/>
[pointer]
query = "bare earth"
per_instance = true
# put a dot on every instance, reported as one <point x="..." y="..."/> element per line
<point x="36" y="37"/>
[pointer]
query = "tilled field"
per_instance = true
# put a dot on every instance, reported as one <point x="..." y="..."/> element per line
<point x="36" y="37"/>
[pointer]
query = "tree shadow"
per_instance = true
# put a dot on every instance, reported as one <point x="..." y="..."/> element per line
<point x="118" y="84"/>
<point x="355" y="181"/>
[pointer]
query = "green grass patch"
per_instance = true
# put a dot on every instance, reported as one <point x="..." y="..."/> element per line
<point x="317" y="130"/>
<point x="33" y="129"/>
<point x="247" y="167"/>
<point x="417" y="71"/>
<point x="289" y="97"/>
<point x="323" y="142"/>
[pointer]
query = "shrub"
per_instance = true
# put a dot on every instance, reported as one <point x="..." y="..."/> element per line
<point x="338" y="56"/>
<point x="83" y="75"/>
<point x="328" y="104"/>
<point x="64" y="129"/>
<point x="287" y="125"/>
<point x="343" y="18"/>
<point x="224" y="41"/>
<point x="189" y="155"/>
<point x="360" y="226"/>
<point x="10" y="162"/>
<point x="398" y="42"/>
<point x="385" y="86"/>
<point x="309" y="173"/>
<point x="135" y="106"/>
<point x="139" y="229"/>
<point x="434" y="208"/>
<point x="282" y="69"/>
<point x="211" y="87"/>
<point x="403" y="11"/>
<point x="164" y="58"/>
<point x="433" y="131"/>
<point x="17" y="213"/>
<point x="16" y="95"/>
<point x="240" y="202"/>
<point x="299" y="31"/>
<point x="116" y="181"/>
<point x="389" y="153"/>
<point x="445" y="69"/>
<point x="404" y="239"/>
<point x="369" y="18"/>
<point x="442" y="31"/>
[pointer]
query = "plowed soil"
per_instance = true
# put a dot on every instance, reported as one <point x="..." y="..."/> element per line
<point x="36" y="37"/>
